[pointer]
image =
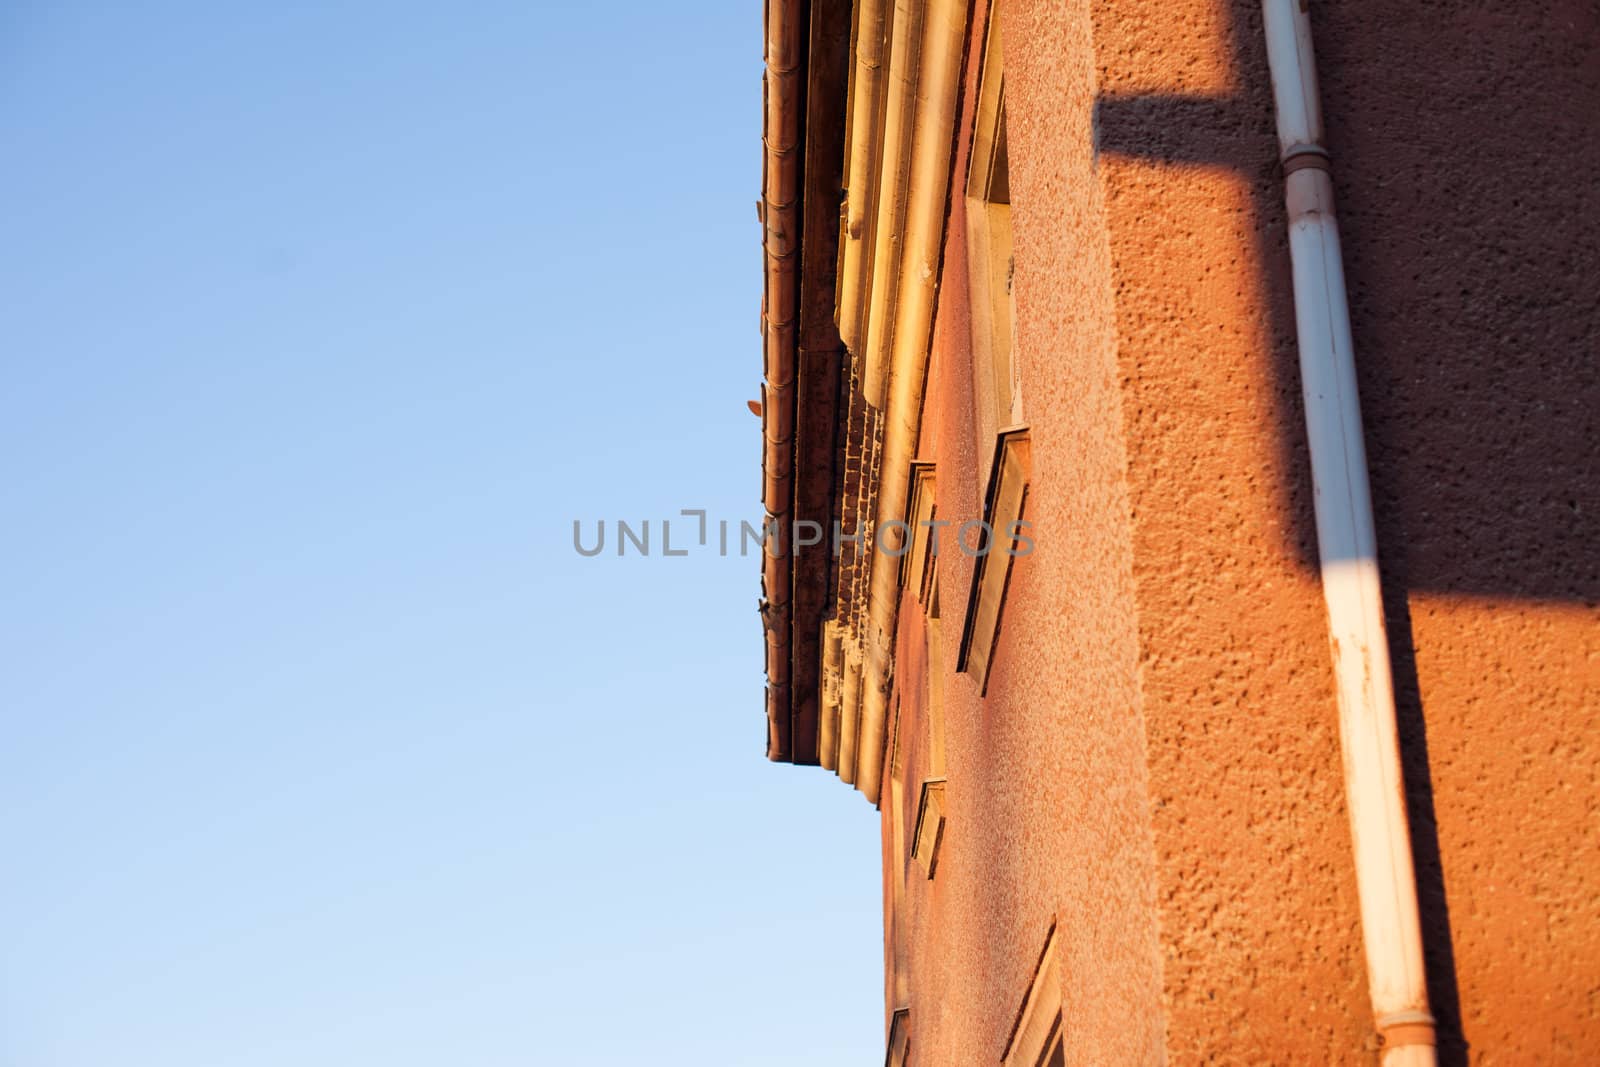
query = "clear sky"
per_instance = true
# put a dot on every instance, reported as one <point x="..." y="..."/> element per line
<point x="319" y="745"/>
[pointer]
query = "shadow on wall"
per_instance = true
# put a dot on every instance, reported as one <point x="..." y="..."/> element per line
<point x="1464" y="156"/>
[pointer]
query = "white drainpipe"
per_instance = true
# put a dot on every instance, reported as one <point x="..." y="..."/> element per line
<point x="1347" y="545"/>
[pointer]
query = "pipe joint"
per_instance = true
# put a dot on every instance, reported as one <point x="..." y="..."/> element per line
<point x="1308" y="192"/>
<point x="1304" y="157"/>
<point x="1407" y="1028"/>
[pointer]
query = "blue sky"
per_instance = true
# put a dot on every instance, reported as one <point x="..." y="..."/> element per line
<point x="319" y="744"/>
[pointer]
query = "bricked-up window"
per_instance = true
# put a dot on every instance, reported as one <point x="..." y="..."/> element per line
<point x="929" y="833"/>
<point x="919" y="564"/>
<point x="1036" y="1038"/>
<point x="920" y="574"/>
<point x="896" y="922"/>
<point x="899" y="1054"/>
<point x="936" y="661"/>
<point x="997" y="387"/>
<point x="1004" y="511"/>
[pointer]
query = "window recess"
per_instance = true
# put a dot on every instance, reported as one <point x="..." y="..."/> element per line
<point x="1007" y="541"/>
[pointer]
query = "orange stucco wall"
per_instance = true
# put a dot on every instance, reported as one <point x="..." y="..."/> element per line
<point x="1155" y="766"/>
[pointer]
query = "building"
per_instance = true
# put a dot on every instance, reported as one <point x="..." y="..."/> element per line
<point x="1162" y="787"/>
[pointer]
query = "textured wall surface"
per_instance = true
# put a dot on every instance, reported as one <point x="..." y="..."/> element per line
<point x="1259" y="925"/>
<point x="1155" y="766"/>
<point x="1048" y="810"/>
<point x="1465" y="153"/>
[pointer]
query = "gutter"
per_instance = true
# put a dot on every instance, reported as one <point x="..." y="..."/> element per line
<point x="807" y="59"/>
<point x="783" y="93"/>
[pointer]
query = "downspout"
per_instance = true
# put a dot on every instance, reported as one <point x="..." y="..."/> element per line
<point x="1347" y="545"/>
